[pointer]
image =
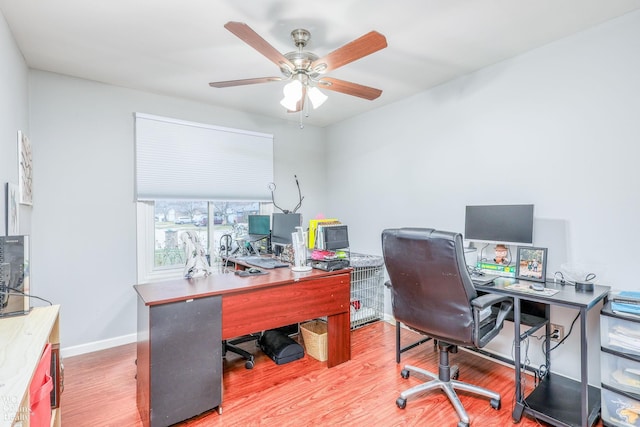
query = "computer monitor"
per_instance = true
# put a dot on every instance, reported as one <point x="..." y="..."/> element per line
<point x="282" y="227"/>
<point x="509" y="224"/>
<point x="259" y="224"/>
<point x="335" y="237"/>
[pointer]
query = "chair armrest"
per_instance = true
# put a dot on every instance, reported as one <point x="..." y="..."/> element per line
<point x="486" y="300"/>
<point x="486" y="330"/>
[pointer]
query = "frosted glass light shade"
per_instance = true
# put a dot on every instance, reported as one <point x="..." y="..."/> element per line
<point x="316" y="96"/>
<point x="292" y="94"/>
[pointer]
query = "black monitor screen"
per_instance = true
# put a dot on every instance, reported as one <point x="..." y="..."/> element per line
<point x="335" y="237"/>
<point x="282" y="227"/>
<point x="499" y="224"/>
<point x="259" y="224"/>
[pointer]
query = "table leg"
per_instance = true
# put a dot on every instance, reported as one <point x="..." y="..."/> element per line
<point x="584" y="380"/>
<point x="338" y="339"/>
<point x="519" y="407"/>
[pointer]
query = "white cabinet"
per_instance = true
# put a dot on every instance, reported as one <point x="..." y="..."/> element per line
<point x="22" y="341"/>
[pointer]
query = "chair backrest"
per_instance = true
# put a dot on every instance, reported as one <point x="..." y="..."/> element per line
<point x="431" y="288"/>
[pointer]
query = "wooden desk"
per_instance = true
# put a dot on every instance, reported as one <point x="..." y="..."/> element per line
<point x="248" y="304"/>
<point x="557" y="400"/>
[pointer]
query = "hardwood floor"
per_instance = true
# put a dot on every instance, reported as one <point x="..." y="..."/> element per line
<point x="100" y="389"/>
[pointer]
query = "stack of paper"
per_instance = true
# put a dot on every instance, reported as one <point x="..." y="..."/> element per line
<point x="625" y="338"/>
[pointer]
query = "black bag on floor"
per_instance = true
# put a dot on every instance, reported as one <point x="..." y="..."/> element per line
<point x="281" y="348"/>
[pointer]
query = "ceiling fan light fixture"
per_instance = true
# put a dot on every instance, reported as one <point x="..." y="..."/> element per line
<point x="292" y="93"/>
<point x="305" y="69"/>
<point x="320" y="68"/>
<point x="316" y="96"/>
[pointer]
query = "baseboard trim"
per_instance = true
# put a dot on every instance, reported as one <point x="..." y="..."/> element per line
<point x="77" y="350"/>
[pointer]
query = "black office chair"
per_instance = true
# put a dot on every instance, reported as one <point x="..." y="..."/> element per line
<point x="431" y="292"/>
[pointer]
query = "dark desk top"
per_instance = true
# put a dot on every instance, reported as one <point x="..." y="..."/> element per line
<point x="174" y="290"/>
<point x="566" y="295"/>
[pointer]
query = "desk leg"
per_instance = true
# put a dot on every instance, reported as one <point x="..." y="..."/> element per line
<point x="519" y="408"/>
<point x="338" y="339"/>
<point x="584" y="380"/>
<point x="398" y="351"/>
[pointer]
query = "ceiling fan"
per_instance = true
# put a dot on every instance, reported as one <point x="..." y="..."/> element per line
<point x="305" y="69"/>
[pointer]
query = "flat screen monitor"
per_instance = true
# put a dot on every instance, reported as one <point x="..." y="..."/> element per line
<point x="282" y="227"/>
<point x="259" y="224"/>
<point x="510" y="224"/>
<point x="335" y="237"/>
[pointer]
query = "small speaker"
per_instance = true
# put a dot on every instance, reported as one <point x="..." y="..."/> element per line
<point x="584" y="287"/>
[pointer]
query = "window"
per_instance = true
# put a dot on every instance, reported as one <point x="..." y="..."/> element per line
<point x="160" y="223"/>
<point x="180" y="168"/>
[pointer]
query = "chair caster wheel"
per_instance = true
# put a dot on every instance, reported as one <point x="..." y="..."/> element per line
<point x="404" y="373"/>
<point x="495" y="404"/>
<point x="462" y="424"/>
<point x="248" y="364"/>
<point x="455" y="372"/>
<point x="401" y="403"/>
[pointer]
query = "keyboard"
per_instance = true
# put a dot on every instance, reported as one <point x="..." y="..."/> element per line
<point x="263" y="262"/>
<point x="252" y="237"/>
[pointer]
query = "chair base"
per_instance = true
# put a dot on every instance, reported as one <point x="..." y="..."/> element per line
<point x="231" y="346"/>
<point x="448" y="385"/>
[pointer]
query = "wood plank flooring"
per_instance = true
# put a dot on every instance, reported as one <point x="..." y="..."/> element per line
<point x="100" y="389"/>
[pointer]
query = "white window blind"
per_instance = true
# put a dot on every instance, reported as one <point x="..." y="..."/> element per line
<point x="184" y="160"/>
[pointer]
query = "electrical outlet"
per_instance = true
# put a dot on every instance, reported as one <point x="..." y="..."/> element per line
<point x="557" y="332"/>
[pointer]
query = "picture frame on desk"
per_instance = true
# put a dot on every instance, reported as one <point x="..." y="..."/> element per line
<point x="531" y="263"/>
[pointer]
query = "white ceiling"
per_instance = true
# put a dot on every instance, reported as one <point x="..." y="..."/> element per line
<point x="176" y="47"/>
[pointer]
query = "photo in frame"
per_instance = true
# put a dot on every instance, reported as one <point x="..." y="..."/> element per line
<point x="25" y="169"/>
<point x="531" y="263"/>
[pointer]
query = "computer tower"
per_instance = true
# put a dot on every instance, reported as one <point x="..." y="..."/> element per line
<point x="14" y="275"/>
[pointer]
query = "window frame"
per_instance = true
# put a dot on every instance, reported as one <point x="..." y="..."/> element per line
<point x="146" y="242"/>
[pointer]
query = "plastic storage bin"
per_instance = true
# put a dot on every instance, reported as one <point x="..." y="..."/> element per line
<point x="619" y="409"/>
<point x="620" y="368"/>
<point x="620" y="333"/>
<point x="620" y="371"/>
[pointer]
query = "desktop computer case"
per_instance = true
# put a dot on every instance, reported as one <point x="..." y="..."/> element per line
<point x="14" y="275"/>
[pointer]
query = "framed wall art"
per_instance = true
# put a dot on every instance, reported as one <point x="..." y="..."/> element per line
<point x="531" y="264"/>
<point x="13" y="210"/>
<point x="25" y="169"/>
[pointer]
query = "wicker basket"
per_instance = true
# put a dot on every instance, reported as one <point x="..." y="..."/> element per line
<point x="314" y="335"/>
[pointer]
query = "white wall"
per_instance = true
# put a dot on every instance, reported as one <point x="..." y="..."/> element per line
<point x="84" y="216"/>
<point x="14" y="113"/>
<point x="558" y="127"/>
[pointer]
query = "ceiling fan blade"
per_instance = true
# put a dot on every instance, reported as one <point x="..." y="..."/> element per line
<point x="361" y="47"/>
<point x="245" y="82"/>
<point x="349" y="88"/>
<point x="253" y="39"/>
